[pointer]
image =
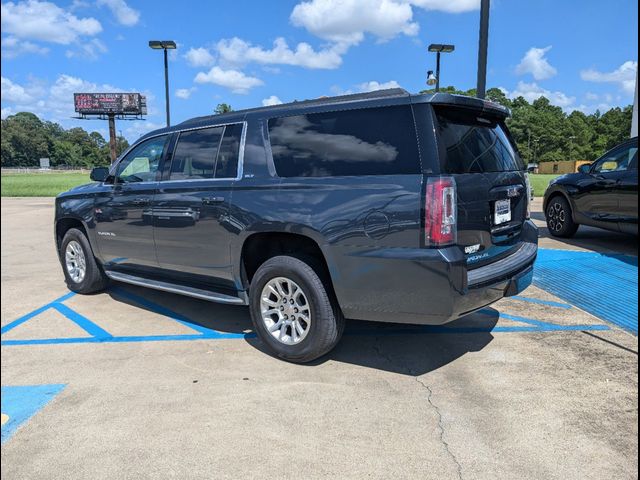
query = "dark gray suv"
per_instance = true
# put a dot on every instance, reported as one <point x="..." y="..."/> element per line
<point x="382" y="206"/>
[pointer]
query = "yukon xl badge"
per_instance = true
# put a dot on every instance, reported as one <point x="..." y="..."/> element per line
<point x="513" y="192"/>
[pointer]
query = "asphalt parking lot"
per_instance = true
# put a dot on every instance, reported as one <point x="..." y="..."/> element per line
<point x="132" y="383"/>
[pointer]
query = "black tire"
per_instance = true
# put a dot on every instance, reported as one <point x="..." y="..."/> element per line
<point x="94" y="278"/>
<point x="327" y="323"/>
<point x="560" y="218"/>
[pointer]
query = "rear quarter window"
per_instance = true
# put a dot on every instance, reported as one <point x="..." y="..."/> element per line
<point x="373" y="141"/>
<point x="471" y="143"/>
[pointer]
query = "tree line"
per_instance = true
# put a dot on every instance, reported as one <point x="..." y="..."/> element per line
<point x="25" y="139"/>
<point x="545" y="133"/>
<point x="542" y="131"/>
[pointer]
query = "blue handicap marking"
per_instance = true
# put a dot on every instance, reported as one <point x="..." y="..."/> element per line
<point x="99" y="335"/>
<point x="20" y="403"/>
<point x="605" y="285"/>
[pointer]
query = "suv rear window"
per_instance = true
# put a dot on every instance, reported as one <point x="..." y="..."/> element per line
<point x="475" y="144"/>
<point x="373" y="141"/>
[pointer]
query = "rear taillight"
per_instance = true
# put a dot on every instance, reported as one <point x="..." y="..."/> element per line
<point x="441" y="212"/>
<point x="529" y="194"/>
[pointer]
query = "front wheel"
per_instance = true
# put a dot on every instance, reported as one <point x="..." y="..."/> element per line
<point x="81" y="271"/>
<point x="559" y="218"/>
<point x="293" y="313"/>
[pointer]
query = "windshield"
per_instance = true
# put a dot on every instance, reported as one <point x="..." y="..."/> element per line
<point x="475" y="144"/>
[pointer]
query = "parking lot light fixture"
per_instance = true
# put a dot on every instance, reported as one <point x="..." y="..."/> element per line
<point x="439" y="48"/>
<point x="164" y="45"/>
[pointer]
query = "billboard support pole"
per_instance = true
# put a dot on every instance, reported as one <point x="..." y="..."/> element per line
<point x="112" y="137"/>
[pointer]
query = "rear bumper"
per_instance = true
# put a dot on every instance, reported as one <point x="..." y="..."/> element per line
<point x="430" y="287"/>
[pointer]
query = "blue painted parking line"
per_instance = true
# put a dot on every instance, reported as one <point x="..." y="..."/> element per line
<point x="548" y="303"/>
<point x="604" y="285"/>
<point x="20" y="403"/>
<point x="82" y="321"/>
<point x="99" y="335"/>
<point x="34" y="313"/>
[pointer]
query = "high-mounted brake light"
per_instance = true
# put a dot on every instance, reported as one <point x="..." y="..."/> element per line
<point x="441" y="212"/>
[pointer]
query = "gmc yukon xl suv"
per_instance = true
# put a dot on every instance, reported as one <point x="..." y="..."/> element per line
<point x="382" y="206"/>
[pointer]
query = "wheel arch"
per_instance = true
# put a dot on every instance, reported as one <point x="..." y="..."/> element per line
<point x="258" y="247"/>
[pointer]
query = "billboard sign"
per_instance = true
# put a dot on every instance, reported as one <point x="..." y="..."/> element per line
<point x="105" y="103"/>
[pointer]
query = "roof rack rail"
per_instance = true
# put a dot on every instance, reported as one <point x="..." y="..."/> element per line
<point x="389" y="92"/>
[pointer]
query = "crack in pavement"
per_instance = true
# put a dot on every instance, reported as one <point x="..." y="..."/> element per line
<point x="442" y="439"/>
<point x="440" y="426"/>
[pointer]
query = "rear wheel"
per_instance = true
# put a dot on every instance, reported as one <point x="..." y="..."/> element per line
<point x="560" y="219"/>
<point x="293" y="313"/>
<point x="81" y="271"/>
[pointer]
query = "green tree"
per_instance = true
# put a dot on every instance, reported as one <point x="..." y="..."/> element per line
<point x="223" y="108"/>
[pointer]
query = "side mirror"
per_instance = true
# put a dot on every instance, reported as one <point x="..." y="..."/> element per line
<point x="584" y="168"/>
<point x="99" y="174"/>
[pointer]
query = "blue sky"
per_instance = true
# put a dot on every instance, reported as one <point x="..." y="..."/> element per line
<point x="582" y="54"/>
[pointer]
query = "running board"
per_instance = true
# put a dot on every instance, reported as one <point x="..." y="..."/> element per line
<point x="179" y="289"/>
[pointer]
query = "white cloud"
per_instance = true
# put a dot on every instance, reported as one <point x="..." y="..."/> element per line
<point x="90" y="50"/>
<point x="5" y="112"/>
<point x="13" y="92"/>
<point x="45" y="21"/>
<point x="125" y="15"/>
<point x="448" y="6"/>
<point x="13" y="47"/>
<point x="347" y="21"/>
<point x="138" y="128"/>
<point x="185" y="93"/>
<point x="234" y="80"/>
<point x="535" y="63"/>
<point x="199" y="57"/>
<point x="532" y="91"/>
<point x="236" y="51"/>
<point x="272" y="100"/>
<point x="591" y="96"/>
<point x="624" y="75"/>
<point x="373" y="86"/>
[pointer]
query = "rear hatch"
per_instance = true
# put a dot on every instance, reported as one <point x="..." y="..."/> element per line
<point x="476" y="149"/>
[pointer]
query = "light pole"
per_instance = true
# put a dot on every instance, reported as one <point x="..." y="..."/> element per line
<point x="164" y="45"/>
<point x="482" y="48"/>
<point x="438" y="48"/>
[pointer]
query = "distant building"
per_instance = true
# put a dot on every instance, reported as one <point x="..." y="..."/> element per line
<point x="566" y="166"/>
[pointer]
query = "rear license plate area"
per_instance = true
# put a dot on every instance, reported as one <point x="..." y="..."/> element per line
<point x="502" y="212"/>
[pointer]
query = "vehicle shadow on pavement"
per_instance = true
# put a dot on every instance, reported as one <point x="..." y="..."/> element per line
<point x="408" y="349"/>
<point x="201" y="313"/>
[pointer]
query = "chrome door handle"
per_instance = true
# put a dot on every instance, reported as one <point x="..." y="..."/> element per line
<point x="212" y="200"/>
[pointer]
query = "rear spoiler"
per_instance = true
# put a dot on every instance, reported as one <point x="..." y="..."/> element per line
<point x="461" y="101"/>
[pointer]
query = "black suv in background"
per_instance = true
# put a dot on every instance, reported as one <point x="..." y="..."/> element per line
<point x="601" y="194"/>
<point x="381" y="206"/>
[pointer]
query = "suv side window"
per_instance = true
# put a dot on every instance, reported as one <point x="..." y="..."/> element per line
<point x="141" y="163"/>
<point x="195" y="154"/>
<point x="227" y="164"/>
<point x="618" y="160"/>
<point x="372" y="141"/>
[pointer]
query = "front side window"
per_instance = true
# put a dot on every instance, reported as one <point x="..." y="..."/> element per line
<point x="373" y="141"/>
<point x="618" y="160"/>
<point x="141" y="164"/>
<point x="195" y="154"/>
